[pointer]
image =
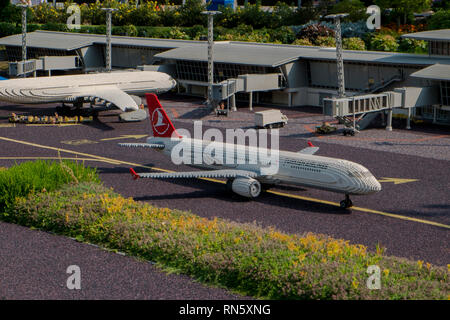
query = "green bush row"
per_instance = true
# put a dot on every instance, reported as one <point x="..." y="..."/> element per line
<point x="261" y="262"/>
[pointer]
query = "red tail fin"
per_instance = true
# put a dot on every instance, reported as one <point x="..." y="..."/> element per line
<point x="161" y="124"/>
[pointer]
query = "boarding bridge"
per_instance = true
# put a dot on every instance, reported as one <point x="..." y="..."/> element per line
<point x="248" y="83"/>
<point x="46" y="63"/>
<point x="364" y="108"/>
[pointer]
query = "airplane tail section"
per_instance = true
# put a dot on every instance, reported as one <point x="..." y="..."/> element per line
<point x="160" y="121"/>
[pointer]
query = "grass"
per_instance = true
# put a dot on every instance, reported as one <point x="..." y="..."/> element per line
<point x="256" y="261"/>
<point x="31" y="177"/>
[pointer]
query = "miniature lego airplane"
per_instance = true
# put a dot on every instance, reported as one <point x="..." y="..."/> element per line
<point x="301" y="168"/>
<point x="112" y="88"/>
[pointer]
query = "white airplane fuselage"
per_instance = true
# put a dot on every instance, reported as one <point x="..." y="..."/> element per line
<point x="61" y="88"/>
<point x="311" y="171"/>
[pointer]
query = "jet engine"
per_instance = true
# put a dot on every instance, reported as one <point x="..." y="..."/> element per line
<point x="246" y="187"/>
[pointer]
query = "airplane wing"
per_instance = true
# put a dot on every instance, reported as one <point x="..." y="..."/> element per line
<point x="143" y="145"/>
<point x="309" y="150"/>
<point x="111" y="94"/>
<point x="196" y="174"/>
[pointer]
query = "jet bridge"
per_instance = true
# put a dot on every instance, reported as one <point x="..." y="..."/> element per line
<point x="368" y="105"/>
<point x="248" y="83"/>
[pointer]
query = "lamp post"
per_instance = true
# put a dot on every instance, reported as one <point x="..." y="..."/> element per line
<point x="210" y="15"/>
<point x="108" y="37"/>
<point x="339" y="58"/>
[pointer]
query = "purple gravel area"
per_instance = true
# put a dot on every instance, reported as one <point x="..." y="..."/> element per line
<point x="33" y="265"/>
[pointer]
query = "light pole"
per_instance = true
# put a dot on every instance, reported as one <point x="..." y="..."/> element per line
<point x="210" y="15"/>
<point x="339" y="58"/>
<point x="108" y="37"/>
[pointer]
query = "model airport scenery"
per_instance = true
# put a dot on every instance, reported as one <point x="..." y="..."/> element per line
<point x="223" y="150"/>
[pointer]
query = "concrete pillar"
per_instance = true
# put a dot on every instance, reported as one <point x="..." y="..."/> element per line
<point x="250" y="101"/>
<point x="408" y="120"/>
<point x="434" y="113"/>
<point x="389" y="120"/>
<point x="233" y="102"/>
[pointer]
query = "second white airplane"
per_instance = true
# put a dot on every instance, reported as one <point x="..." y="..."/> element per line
<point x="301" y="168"/>
<point x="114" y="88"/>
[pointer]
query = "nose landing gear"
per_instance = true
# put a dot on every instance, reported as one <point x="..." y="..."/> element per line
<point x="347" y="203"/>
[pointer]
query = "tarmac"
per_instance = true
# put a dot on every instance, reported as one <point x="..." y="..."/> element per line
<point x="410" y="216"/>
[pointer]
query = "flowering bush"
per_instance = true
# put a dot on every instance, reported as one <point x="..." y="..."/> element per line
<point x="313" y="31"/>
<point x="257" y="261"/>
<point x="353" y="44"/>
<point x="383" y="42"/>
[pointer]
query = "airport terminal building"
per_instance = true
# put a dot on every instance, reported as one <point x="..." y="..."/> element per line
<point x="275" y="74"/>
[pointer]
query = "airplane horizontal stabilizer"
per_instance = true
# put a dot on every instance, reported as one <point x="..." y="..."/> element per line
<point x="196" y="174"/>
<point x="309" y="150"/>
<point x="143" y="145"/>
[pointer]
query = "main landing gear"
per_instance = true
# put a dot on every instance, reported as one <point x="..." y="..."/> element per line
<point x="347" y="203"/>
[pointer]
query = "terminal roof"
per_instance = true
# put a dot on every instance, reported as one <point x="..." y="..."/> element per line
<point x="434" y="72"/>
<point x="436" y="35"/>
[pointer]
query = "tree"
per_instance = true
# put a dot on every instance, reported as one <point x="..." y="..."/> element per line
<point x="404" y="8"/>
<point x="355" y="9"/>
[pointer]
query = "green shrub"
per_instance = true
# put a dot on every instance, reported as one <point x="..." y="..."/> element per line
<point x="7" y="29"/>
<point x="302" y="42"/>
<point x="54" y="26"/>
<point x="440" y="20"/>
<point x="325" y="42"/>
<point x="353" y="44"/>
<point x="30" y="177"/>
<point x="261" y="262"/>
<point x="383" y="42"/>
<point x="190" y="13"/>
<point x="252" y="15"/>
<point x="283" y="35"/>
<point x="413" y="46"/>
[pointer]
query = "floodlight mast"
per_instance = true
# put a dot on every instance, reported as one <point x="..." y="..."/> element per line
<point x="24" y="32"/>
<point x="210" y="15"/>
<point x="108" y="38"/>
<point x="339" y="58"/>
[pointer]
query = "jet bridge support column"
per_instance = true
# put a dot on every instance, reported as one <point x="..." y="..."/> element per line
<point x="250" y="101"/>
<point x="389" y="120"/>
<point x="408" y="120"/>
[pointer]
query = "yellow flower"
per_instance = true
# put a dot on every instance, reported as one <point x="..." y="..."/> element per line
<point x="420" y="264"/>
<point x="386" y="272"/>
<point x="355" y="283"/>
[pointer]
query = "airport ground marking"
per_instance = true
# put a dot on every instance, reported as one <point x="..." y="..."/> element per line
<point x="52" y="124"/>
<point x="126" y="136"/>
<point x="396" y="180"/>
<point x="287" y="195"/>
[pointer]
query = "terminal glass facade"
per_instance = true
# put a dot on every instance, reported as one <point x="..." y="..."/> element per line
<point x="441" y="48"/>
<point x="445" y="93"/>
<point x="198" y="70"/>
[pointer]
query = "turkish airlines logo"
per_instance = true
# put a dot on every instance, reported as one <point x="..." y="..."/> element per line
<point x="159" y="122"/>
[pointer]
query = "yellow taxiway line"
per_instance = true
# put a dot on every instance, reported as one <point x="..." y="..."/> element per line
<point x="282" y="194"/>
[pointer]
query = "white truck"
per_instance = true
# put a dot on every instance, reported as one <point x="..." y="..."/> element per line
<point x="269" y="119"/>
